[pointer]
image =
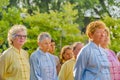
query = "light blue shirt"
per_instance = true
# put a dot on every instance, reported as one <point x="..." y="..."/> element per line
<point x="42" y="66"/>
<point x="92" y="64"/>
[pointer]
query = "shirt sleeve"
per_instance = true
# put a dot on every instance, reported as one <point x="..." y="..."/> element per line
<point x="4" y="63"/>
<point x="80" y="65"/>
<point x="34" y="69"/>
<point x="62" y="73"/>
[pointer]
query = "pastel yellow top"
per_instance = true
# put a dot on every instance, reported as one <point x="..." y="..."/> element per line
<point x="14" y="65"/>
<point x="66" y="72"/>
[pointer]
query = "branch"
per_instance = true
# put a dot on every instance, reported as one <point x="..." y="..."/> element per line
<point x="104" y="7"/>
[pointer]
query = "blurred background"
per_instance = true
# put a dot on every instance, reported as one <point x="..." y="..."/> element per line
<point x="65" y="20"/>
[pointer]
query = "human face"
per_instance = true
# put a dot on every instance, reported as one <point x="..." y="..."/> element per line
<point x="52" y="47"/>
<point x="77" y="49"/>
<point x="68" y="54"/>
<point x="45" y="44"/>
<point x="98" y="35"/>
<point x="106" y="41"/>
<point x="119" y="59"/>
<point x="19" y="39"/>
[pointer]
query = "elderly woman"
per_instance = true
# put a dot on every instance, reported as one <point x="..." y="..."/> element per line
<point x="114" y="62"/>
<point x="14" y="62"/>
<point x="92" y="62"/>
<point x="42" y="63"/>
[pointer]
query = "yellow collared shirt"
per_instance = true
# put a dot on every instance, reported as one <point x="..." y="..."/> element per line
<point x="66" y="72"/>
<point x="14" y="65"/>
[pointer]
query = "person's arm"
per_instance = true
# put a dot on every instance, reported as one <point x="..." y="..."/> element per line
<point x="80" y="65"/>
<point x="34" y="69"/>
<point x="2" y="66"/>
<point x="58" y="65"/>
<point x="113" y="53"/>
<point x="4" y="63"/>
<point x="62" y="73"/>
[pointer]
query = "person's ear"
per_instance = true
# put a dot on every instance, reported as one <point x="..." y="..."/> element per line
<point x="90" y="35"/>
<point x="39" y="43"/>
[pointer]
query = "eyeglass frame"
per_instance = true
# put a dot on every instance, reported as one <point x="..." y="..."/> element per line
<point x="20" y="36"/>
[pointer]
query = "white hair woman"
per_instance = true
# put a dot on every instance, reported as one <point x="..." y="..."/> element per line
<point x="14" y="62"/>
<point x="42" y="63"/>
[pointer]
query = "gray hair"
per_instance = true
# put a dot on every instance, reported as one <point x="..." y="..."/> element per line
<point x="118" y="54"/>
<point x="75" y="45"/>
<point x="43" y="36"/>
<point x="12" y="32"/>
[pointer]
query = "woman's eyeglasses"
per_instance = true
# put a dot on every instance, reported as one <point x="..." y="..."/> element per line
<point x="20" y="36"/>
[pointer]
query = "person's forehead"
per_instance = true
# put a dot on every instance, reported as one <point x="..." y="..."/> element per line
<point x="46" y="40"/>
<point x="68" y="50"/>
<point x="100" y="29"/>
<point x="79" y="46"/>
<point x="53" y="43"/>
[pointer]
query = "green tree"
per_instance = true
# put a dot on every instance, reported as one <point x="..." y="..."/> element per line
<point x="63" y="19"/>
<point x="114" y="26"/>
<point x="61" y="25"/>
<point x="3" y="3"/>
<point x="9" y="18"/>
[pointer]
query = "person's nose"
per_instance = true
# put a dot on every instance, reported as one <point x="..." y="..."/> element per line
<point x="103" y="34"/>
<point x="49" y="45"/>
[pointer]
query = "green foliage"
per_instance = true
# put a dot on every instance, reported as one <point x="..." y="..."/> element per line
<point x="3" y="3"/>
<point x="61" y="25"/>
<point x="63" y="19"/>
<point x="114" y="26"/>
<point x="87" y="4"/>
<point x="12" y="15"/>
<point x="9" y="18"/>
<point x="3" y="35"/>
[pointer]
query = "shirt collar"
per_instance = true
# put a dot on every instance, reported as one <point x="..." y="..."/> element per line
<point x="98" y="47"/>
<point x="94" y="45"/>
<point x="18" y="51"/>
<point x="41" y="52"/>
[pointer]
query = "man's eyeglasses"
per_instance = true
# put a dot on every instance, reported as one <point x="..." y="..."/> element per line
<point x="20" y="36"/>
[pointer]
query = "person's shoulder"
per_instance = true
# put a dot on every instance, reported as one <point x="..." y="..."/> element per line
<point x="51" y="54"/>
<point x="56" y="57"/>
<point x="85" y="51"/>
<point x="70" y="61"/>
<point x="7" y="53"/>
<point x="88" y="47"/>
<point x="24" y="51"/>
<point x="111" y="51"/>
<point x="85" y="48"/>
<point x="34" y="54"/>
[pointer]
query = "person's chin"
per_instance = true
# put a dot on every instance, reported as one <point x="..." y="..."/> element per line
<point x="21" y="44"/>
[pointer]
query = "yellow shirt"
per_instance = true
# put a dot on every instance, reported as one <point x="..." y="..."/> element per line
<point x="66" y="72"/>
<point x="14" y="65"/>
